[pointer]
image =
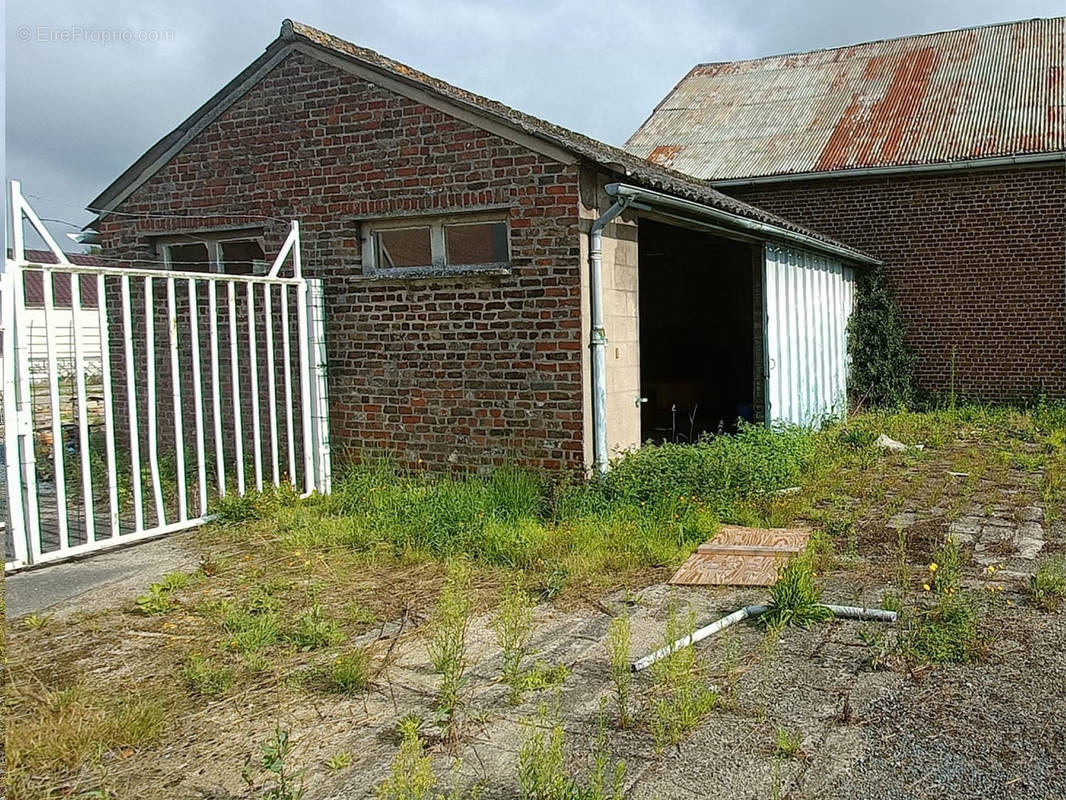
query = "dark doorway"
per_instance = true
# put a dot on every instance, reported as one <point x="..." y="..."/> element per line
<point x="697" y="332"/>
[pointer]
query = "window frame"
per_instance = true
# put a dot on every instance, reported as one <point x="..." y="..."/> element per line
<point x="213" y="241"/>
<point x="438" y="244"/>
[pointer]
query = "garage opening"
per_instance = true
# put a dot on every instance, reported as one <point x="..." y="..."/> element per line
<point x="698" y="345"/>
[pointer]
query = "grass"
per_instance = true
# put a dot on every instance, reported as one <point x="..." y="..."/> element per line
<point x="795" y="599"/>
<point x="71" y="726"/>
<point x="286" y="585"/>
<point x="947" y="633"/>
<point x="204" y="677"/>
<point x="1047" y="586"/>
<point x="350" y="672"/>
<point x="788" y="743"/>
<point x="647" y="512"/>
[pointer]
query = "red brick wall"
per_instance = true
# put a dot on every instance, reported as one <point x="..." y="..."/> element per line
<point x="977" y="260"/>
<point x="458" y="373"/>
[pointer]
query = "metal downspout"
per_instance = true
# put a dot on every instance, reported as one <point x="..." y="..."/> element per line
<point x="598" y="336"/>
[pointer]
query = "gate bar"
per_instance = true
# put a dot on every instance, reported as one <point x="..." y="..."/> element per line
<point x="109" y="411"/>
<point x="131" y="400"/>
<point x="58" y="450"/>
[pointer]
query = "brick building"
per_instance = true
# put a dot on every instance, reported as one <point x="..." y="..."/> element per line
<point x="942" y="155"/>
<point x="474" y="256"/>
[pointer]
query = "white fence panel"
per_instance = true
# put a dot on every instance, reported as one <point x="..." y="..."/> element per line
<point x="75" y="440"/>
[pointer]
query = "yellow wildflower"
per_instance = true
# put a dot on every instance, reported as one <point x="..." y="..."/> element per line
<point x="925" y="586"/>
<point x="933" y="567"/>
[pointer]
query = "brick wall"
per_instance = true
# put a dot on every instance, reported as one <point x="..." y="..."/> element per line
<point x="977" y="260"/>
<point x="445" y="373"/>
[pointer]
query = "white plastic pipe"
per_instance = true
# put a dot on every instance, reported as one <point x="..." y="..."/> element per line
<point x="744" y="613"/>
<point x="749" y="612"/>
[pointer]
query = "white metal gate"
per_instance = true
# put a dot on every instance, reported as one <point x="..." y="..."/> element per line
<point x="807" y="301"/>
<point x="208" y="384"/>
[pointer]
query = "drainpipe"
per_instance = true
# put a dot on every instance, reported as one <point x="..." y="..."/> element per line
<point x="598" y="337"/>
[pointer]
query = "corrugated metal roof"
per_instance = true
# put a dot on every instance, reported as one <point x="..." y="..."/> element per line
<point x="975" y="93"/>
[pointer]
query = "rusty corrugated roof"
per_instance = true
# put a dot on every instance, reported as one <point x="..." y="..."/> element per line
<point x="959" y="95"/>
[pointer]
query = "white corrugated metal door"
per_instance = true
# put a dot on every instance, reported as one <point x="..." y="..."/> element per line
<point x="807" y="299"/>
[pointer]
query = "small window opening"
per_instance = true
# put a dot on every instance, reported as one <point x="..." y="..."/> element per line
<point x="403" y="247"/>
<point x="243" y="257"/>
<point x="190" y="257"/>
<point x="476" y="243"/>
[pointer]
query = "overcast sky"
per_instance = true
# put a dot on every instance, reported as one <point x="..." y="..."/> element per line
<point x="80" y="112"/>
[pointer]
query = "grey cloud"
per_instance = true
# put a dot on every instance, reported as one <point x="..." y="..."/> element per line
<point x="78" y="113"/>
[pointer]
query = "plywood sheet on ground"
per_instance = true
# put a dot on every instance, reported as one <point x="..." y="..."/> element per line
<point x="740" y="556"/>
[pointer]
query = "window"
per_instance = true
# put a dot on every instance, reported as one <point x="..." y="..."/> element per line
<point x="215" y="253"/>
<point x="476" y="243"/>
<point x="466" y="242"/>
<point x="403" y="247"/>
<point x="189" y="257"/>
<point x="243" y="257"/>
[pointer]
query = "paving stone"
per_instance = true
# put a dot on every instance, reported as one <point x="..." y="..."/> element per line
<point x="1029" y="548"/>
<point x="967" y="530"/>
<point x="1031" y="513"/>
<point x="904" y="519"/>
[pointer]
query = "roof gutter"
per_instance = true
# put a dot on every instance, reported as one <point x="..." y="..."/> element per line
<point x="869" y="172"/>
<point x="699" y="212"/>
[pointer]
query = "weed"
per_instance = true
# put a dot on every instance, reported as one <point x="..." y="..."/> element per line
<point x="360" y="614"/>
<point x="314" y="631"/>
<point x="680" y="696"/>
<point x="342" y="759"/>
<point x="155" y="602"/>
<point x="543" y="676"/>
<point x="513" y="626"/>
<point x="350" y="673"/>
<point x="412" y="775"/>
<point x="903" y="569"/>
<point x="209" y="566"/>
<point x="35" y="622"/>
<point x="174" y="580"/>
<point x="247" y="632"/>
<point x="447" y="651"/>
<point x="158" y="601"/>
<point x="1047" y="586"/>
<point x="946" y="633"/>
<point x="788" y="743"/>
<point x="729" y="647"/>
<point x="543" y="772"/>
<point x="205" y="678"/>
<point x="946" y="568"/>
<point x="795" y="599"/>
<point x="619" y="641"/>
<point x="767" y="657"/>
<point x="284" y="782"/>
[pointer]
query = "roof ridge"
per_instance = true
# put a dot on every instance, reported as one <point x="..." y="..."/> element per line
<point x="877" y="41"/>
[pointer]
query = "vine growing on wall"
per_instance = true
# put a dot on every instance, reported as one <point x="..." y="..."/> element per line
<point x="882" y="362"/>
